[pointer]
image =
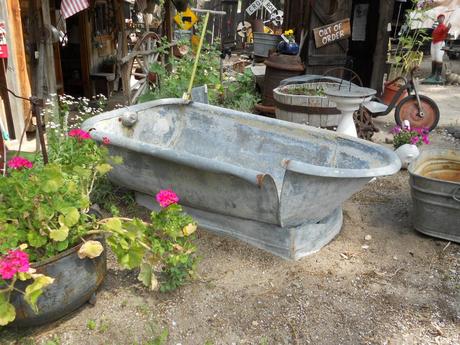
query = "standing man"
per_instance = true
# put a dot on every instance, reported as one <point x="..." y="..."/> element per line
<point x="438" y="37"/>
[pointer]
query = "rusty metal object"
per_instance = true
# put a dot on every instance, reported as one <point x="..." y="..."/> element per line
<point x="364" y="125"/>
<point x="76" y="280"/>
<point x="279" y="67"/>
<point x="435" y="190"/>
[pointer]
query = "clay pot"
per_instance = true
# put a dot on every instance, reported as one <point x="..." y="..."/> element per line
<point x="390" y="90"/>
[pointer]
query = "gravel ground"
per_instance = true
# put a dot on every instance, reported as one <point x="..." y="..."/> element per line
<point x="377" y="282"/>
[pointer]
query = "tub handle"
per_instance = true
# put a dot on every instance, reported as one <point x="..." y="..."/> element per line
<point x="455" y="196"/>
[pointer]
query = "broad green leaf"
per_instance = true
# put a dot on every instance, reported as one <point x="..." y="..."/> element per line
<point x="103" y="168"/>
<point x="114" y="224"/>
<point x="34" y="290"/>
<point x="132" y="258"/>
<point x="60" y="234"/>
<point x="147" y="276"/>
<point x="90" y="249"/>
<point x="50" y="186"/>
<point x="72" y="217"/>
<point x="7" y="311"/>
<point x="84" y="202"/>
<point x="61" y="220"/>
<point x="36" y="240"/>
<point x="82" y="172"/>
<point x="61" y="246"/>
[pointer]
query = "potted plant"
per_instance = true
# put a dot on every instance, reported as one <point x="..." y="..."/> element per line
<point x="288" y="45"/>
<point x="306" y="103"/>
<point x="52" y="256"/>
<point x="44" y="233"/>
<point x="406" y="141"/>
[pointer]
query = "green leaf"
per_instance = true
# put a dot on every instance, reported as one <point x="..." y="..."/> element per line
<point x="84" y="202"/>
<point x="34" y="290"/>
<point x="114" y="224"/>
<point x="63" y="245"/>
<point x="50" y="186"/>
<point x="147" y="276"/>
<point x="132" y="258"/>
<point x="36" y="240"/>
<point x="60" y="234"/>
<point x="90" y="249"/>
<point x="72" y="217"/>
<point x="103" y="168"/>
<point x="7" y="310"/>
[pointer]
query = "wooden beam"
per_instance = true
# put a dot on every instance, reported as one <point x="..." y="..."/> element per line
<point x="381" y="45"/>
<point x="11" y="72"/>
<point x="85" y="51"/>
<point x="49" y="49"/>
<point x="14" y="13"/>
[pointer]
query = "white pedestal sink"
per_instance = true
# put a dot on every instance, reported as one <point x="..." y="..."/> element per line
<point x="348" y="99"/>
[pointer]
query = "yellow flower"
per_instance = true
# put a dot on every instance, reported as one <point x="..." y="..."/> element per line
<point x="189" y="229"/>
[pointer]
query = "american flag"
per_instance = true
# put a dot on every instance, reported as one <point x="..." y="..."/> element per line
<point x="70" y="7"/>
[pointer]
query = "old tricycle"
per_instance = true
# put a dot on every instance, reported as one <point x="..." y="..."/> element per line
<point x="421" y="111"/>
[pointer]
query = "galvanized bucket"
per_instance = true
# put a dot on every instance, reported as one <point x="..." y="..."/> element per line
<point x="263" y="43"/>
<point x="435" y="190"/>
<point x="75" y="281"/>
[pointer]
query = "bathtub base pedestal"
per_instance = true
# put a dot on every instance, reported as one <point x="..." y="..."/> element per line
<point x="289" y="243"/>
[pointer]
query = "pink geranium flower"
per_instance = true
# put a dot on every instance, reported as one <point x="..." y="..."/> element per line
<point x="19" y="163"/>
<point x="166" y="198"/>
<point x="15" y="261"/>
<point x="79" y="134"/>
<point x="414" y="140"/>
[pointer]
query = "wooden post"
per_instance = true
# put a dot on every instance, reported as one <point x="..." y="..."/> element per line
<point x="14" y="13"/>
<point x="16" y="105"/>
<point x="381" y="47"/>
<point x="169" y="24"/>
<point x="49" y="62"/>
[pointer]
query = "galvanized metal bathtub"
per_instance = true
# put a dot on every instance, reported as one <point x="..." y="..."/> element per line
<point x="274" y="184"/>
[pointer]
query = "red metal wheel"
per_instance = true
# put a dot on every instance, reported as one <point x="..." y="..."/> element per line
<point x="408" y="109"/>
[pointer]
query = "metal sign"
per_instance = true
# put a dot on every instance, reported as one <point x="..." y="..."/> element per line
<point x="186" y="20"/>
<point x="258" y="4"/>
<point x="3" y="44"/>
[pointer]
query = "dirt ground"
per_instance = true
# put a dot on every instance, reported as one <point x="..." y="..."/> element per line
<point x="377" y="282"/>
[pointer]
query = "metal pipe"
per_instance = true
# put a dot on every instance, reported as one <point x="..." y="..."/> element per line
<point x="197" y="57"/>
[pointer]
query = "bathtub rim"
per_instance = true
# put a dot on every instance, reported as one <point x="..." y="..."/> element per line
<point x="252" y="176"/>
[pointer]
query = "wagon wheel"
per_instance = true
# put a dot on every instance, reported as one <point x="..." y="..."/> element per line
<point x="137" y="77"/>
<point x="364" y="124"/>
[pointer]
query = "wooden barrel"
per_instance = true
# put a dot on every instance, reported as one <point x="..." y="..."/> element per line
<point x="312" y="110"/>
<point x="279" y="67"/>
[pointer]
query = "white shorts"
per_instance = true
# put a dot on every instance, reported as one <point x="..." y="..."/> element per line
<point x="436" y="51"/>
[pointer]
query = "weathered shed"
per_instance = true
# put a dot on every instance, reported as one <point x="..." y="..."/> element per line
<point x="363" y="51"/>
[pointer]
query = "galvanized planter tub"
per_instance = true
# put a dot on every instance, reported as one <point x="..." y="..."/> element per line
<point x="316" y="111"/>
<point x="263" y="43"/>
<point x="435" y="189"/>
<point x="75" y="281"/>
<point x="274" y="184"/>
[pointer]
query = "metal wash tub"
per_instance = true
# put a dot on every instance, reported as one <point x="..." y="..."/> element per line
<point x="274" y="184"/>
<point x="435" y="189"/>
